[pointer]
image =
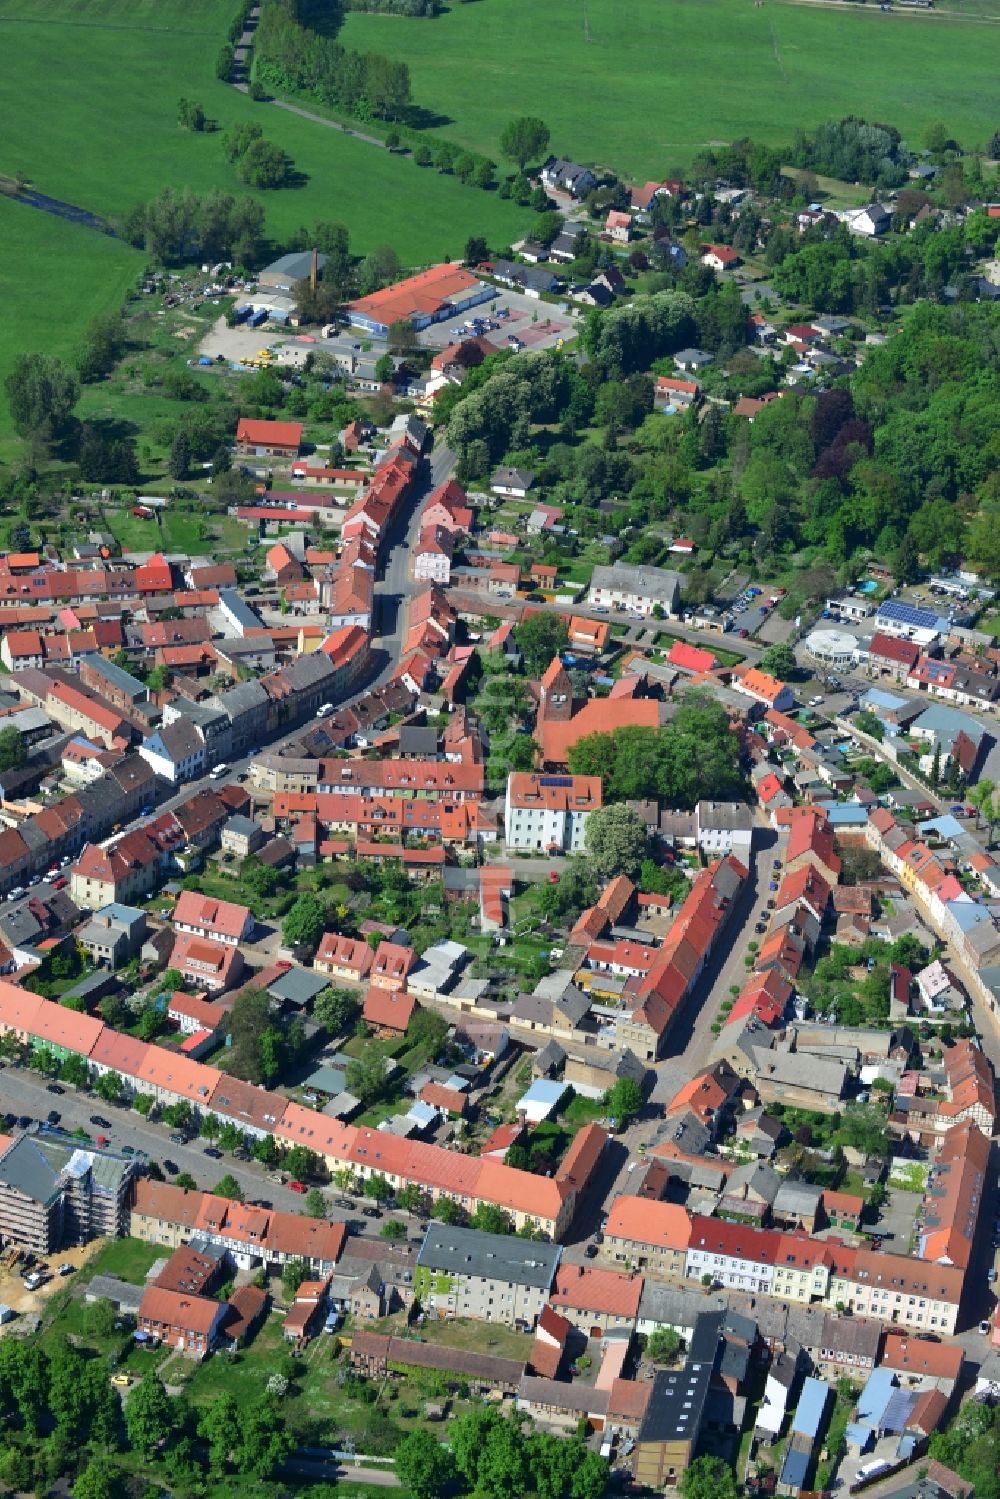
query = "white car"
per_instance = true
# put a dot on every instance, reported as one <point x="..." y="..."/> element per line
<point x="814" y="702"/>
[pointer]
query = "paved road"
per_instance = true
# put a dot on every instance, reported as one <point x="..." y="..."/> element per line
<point x="392" y="592"/>
<point x="473" y="599"/>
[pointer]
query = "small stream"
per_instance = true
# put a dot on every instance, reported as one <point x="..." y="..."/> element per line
<point x="69" y="211"/>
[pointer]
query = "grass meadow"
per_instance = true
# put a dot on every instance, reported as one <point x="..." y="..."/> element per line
<point x="89" y="102"/>
<point x="54" y="277"/>
<point x="642" y="85"/>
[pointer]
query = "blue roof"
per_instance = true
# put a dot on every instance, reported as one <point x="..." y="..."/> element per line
<point x="794" y="1468"/>
<point x="945" y="826"/>
<point x="543" y="1090"/>
<point x="945" y="723"/>
<point x="908" y="614"/>
<point x="858" y="1435"/>
<point x="117" y="912"/>
<point x="845" y="814"/>
<point x="875" y="1396"/>
<point x="897" y="1412"/>
<point x="876" y="698"/>
<point x="967" y="913"/>
<point x="812" y="1407"/>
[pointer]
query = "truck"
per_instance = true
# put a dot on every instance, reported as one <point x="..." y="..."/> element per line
<point x="142" y="512"/>
<point x="243" y="312"/>
<point x="257" y="317"/>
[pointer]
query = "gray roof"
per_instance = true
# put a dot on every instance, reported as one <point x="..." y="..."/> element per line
<point x="415" y="739"/>
<point x="298" y="986"/>
<point x="797" y="1197"/>
<point x="36" y="1164"/>
<point x="465" y="1251"/>
<point x="115" y="676"/>
<point x="674" y="1306"/>
<point x="180" y="740"/>
<point x="651" y="582"/>
<point x="124" y="1296"/>
<point x="243" y="827"/>
<point x="241" y="611"/>
<point x="296" y="265"/>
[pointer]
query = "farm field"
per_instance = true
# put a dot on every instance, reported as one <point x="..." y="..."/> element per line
<point x="642" y="87"/>
<point x="109" y="137"/>
<point x="54" y="277"/>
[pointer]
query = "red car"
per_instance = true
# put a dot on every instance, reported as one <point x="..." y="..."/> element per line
<point x="60" y="883"/>
<point x="297" y="1187"/>
<point x="553" y="877"/>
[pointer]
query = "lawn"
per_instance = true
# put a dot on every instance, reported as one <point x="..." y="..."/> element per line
<point x="108" y="137"/>
<point x="127" y="1258"/>
<point x="54" y="277"/>
<point x="668" y="77"/>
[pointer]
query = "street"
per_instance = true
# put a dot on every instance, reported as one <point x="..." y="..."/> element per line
<point x="392" y="592"/>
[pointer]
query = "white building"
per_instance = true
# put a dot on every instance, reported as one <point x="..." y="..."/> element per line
<point x="549" y="812"/>
<point x="637" y="589"/>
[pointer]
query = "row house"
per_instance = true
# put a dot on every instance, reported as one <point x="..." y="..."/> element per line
<point x="430" y="780"/>
<point x="218" y="920"/>
<point x="545" y="1203"/>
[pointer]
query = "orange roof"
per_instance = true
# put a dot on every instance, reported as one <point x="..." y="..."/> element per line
<point x="580" y="1161"/>
<point x="389" y="1009"/>
<point x="594" y="718"/>
<point x="179" y="1309"/>
<point x="601" y="1291"/>
<point x="917" y="1356"/>
<point x="217" y="917"/>
<point x="664" y="1224"/>
<point x="269" y="434"/>
<point x="449" y="1099"/>
<point x="416" y="297"/>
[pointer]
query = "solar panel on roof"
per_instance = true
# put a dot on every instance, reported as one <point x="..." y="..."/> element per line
<point x="556" y="781"/>
<point x="908" y="614"/>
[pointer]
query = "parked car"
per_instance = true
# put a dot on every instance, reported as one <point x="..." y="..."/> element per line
<point x="216" y="1155"/>
<point x="591" y="1251"/>
<point x="371" y="1212"/>
<point x="984" y="1329"/>
<point x="171" y="1168"/>
<point x="53" y="1116"/>
<point x="54" y="1088"/>
<point x="297" y="1187"/>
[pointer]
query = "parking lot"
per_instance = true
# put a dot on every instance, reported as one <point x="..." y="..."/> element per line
<point x="539" y="325"/>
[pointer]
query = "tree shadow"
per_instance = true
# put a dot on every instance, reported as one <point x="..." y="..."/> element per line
<point x="418" y="117"/>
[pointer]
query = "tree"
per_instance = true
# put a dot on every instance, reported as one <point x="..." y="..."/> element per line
<point x="476" y="249"/>
<point x="624" y="1099"/>
<point x="708" y="1478"/>
<point x="219" y="1425"/>
<point x="179" y="461"/>
<point x="264" y="166"/>
<point x="190" y="114"/>
<point x="264" y="1442"/>
<point x="177" y="1115"/>
<point x="149" y="1415"/>
<point x="304" y="924"/>
<point x="402" y="337"/>
<point x="365" y="1075"/>
<point x="294" y="1273"/>
<point x="229" y="1187"/>
<point x="97" y="1481"/>
<point x="863" y="1127"/>
<point x="377" y="1188"/>
<point x="524" y="139"/>
<point x="12" y="751"/>
<point x="301" y="1162"/>
<point x="379" y="269"/>
<point x="616" y="841"/>
<point x="385" y="368"/>
<point x="663" y="1345"/>
<point x="104" y="342"/>
<point x="315" y="1203"/>
<point x="539" y="638"/>
<point x="393" y="1229"/>
<point x="779" y="661"/>
<point x="424" y="1466"/>
<point x="186" y="1180"/>
<point x="337" y="1009"/>
<point x="489" y="1219"/>
<point x="110" y="1086"/>
<point x="446" y="1210"/>
<point x="41" y="393"/>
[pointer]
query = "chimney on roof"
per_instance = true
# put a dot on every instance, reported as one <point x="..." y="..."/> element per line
<point x="313" y="270"/>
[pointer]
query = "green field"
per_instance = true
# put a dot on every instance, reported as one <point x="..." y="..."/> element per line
<point x="641" y="86"/>
<point x="54" y="277"/>
<point x="89" y="100"/>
